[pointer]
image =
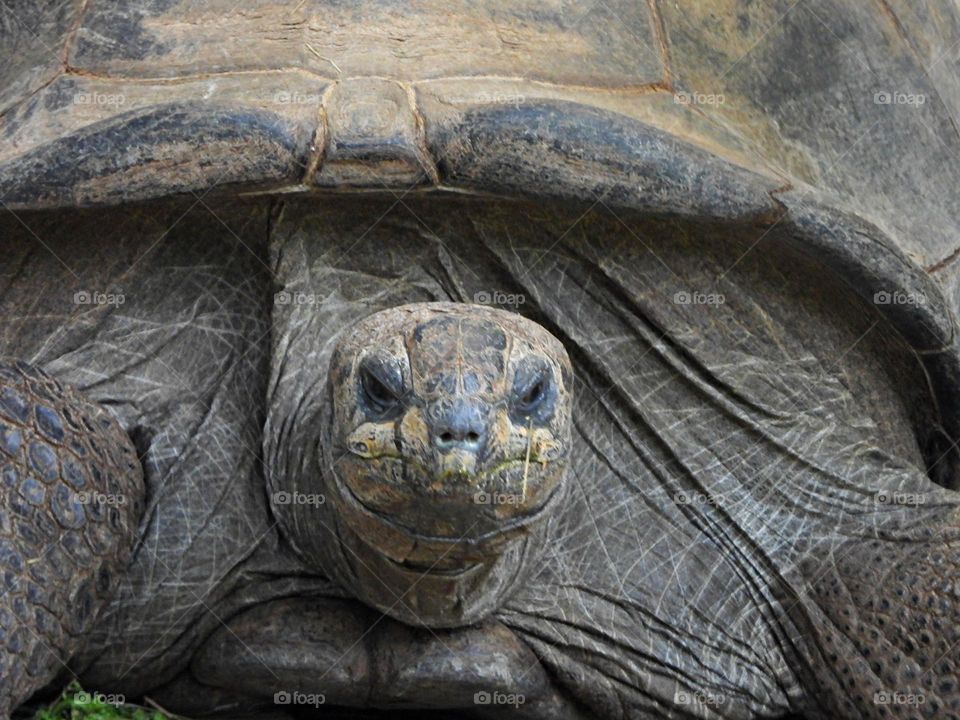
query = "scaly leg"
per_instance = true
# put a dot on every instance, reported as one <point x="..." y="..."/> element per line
<point x="71" y="496"/>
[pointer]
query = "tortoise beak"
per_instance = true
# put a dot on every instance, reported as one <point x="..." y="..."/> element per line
<point x="456" y="463"/>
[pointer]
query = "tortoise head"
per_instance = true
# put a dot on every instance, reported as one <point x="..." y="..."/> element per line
<point x="447" y="442"/>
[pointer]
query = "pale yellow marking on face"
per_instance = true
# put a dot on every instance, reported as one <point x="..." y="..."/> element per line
<point x="371" y="440"/>
<point x="546" y="445"/>
<point x="415" y="433"/>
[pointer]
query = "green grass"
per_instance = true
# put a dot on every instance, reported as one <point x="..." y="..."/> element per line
<point x="77" y="704"/>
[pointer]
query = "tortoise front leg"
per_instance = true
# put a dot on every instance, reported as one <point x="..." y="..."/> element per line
<point x="71" y="496"/>
<point x="317" y="651"/>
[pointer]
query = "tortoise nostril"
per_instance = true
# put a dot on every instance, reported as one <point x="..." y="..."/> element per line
<point x="462" y="427"/>
<point x="448" y="440"/>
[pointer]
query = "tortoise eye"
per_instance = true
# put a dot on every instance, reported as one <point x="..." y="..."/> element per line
<point x="533" y="396"/>
<point x="533" y="393"/>
<point x="380" y="392"/>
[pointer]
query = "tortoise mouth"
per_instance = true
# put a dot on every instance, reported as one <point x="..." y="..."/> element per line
<point x="433" y="478"/>
<point x="414" y="551"/>
<point x="433" y="506"/>
<point x="439" y="588"/>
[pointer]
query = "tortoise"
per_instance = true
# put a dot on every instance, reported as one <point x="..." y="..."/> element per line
<point x="510" y="359"/>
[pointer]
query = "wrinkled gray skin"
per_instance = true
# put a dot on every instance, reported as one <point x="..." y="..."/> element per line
<point x="728" y="546"/>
